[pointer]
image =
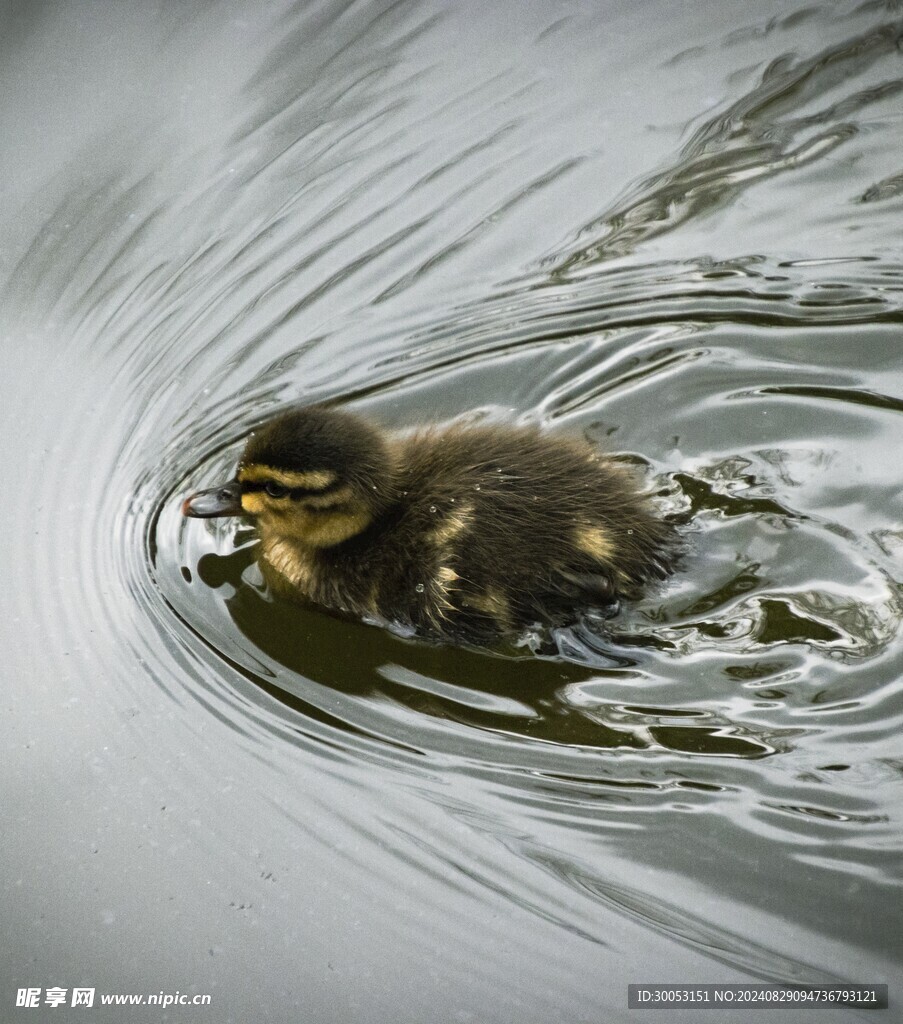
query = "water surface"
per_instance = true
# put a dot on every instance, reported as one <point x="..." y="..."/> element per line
<point x="673" y="229"/>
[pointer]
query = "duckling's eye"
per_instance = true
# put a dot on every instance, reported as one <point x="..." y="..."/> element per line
<point x="275" y="490"/>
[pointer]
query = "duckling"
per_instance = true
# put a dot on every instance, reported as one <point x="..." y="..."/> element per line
<point x="462" y="533"/>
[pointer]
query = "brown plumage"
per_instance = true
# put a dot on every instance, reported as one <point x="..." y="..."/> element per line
<point x="462" y="532"/>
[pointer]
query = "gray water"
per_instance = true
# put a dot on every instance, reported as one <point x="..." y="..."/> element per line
<point x="673" y="228"/>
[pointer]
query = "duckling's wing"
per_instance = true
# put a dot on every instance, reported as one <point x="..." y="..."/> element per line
<point x="586" y="586"/>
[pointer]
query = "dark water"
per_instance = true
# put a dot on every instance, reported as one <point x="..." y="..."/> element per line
<point x="672" y="227"/>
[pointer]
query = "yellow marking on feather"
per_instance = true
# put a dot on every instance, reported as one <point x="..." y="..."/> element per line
<point x="311" y="479"/>
<point x="445" y="533"/>
<point x="285" y="558"/>
<point x="325" y="530"/>
<point x="596" y="542"/>
<point x="492" y="603"/>
<point x="445" y="576"/>
<point x="453" y="525"/>
<point x="253" y="503"/>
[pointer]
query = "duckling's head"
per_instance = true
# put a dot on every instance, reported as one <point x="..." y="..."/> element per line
<point x="316" y="477"/>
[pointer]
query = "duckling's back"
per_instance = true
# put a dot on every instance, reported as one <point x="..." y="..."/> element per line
<point x="496" y="529"/>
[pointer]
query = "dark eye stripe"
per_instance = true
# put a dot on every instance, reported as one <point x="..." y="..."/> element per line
<point x="326" y="509"/>
<point x="290" y="492"/>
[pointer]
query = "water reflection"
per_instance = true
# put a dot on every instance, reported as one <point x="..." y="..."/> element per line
<point x="771" y="130"/>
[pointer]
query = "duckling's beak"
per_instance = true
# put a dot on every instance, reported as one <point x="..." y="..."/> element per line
<point x="224" y="500"/>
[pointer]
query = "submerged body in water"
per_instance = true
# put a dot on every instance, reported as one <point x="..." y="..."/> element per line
<point x="468" y="533"/>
